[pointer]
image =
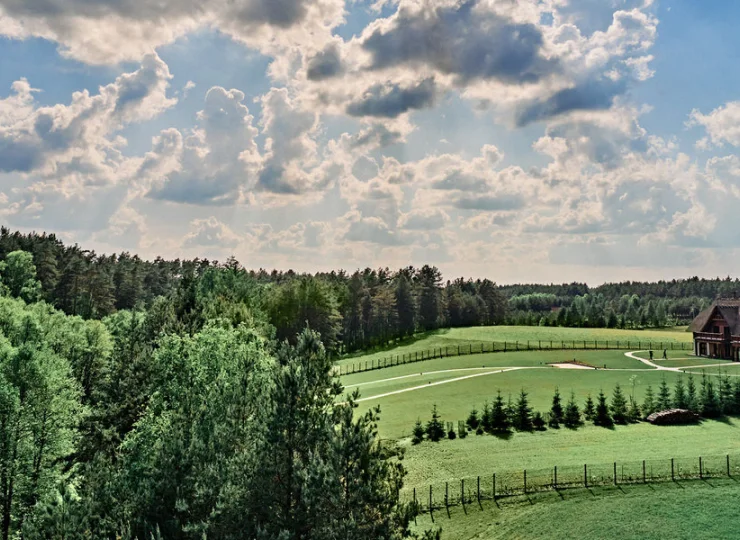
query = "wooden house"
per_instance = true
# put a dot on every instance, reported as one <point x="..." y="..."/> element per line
<point x="717" y="330"/>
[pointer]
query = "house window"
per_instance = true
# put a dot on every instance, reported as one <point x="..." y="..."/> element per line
<point x="715" y="329"/>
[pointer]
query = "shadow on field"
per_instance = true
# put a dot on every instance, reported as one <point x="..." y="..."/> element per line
<point x="398" y="343"/>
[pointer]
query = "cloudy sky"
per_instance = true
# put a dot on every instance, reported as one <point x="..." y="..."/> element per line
<point x="529" y="140"/>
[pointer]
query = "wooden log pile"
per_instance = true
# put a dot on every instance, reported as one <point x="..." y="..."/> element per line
<point x="673" y="417"/>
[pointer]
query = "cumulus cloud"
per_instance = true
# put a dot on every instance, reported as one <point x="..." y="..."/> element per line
<point x="114" y="31"/>
<point x="426" y="219"/>
<point x="215" y="164"/>
<point x="389" y="102"/>
<point x="722" y="124"/>
<point x="325" y="64"/>
<point x="80" y="137"/>
<point x="210" y="232"/>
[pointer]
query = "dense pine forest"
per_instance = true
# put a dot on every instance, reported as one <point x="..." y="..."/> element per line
<point x="368" y="308"/>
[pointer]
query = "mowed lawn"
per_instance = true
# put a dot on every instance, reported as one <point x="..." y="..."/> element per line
<point x="452" y="337"/>
<point x="418" y="390"/>
<point x="685" y="510"/>
<point x="482" y="455"/>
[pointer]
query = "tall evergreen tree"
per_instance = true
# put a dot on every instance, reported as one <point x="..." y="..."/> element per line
<point x="679" y="394"/>
<point x="692" y="399"/>
<point x="435" y="429"/>
<point x="619" y="410"/>
<point x="405" y="305"/>
<point x="499" y="417"/>
<point x="572" y="418"/>
<point x="664" y="401"/>
<point x="556" y="411"/>
<point x="589" y="410"/>
<point x="710" y="405"/>
<point x="523" y="413"/>
<point x="602" y="416"/>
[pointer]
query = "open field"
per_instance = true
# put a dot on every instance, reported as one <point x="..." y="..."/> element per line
<point x="681" y="510"/>
<point x="453" y="337"/>
<point x="456" y="388"/>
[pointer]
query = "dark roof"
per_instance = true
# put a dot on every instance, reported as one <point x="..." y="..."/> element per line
<point x="728" y="308"/>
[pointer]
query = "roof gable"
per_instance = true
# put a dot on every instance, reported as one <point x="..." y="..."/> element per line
<point x="727" y="309"/>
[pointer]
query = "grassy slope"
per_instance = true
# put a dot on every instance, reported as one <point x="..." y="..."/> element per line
<point x="687" y="510"/>
<point x="435" y="463"/>
<point x="453" y="337"/>
<point x="455" y="400"/>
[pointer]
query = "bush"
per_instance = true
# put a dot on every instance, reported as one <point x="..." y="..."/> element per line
<point x="451" y="435"/>
<point x="479" y="431"/>
<point x="418" y="432"/>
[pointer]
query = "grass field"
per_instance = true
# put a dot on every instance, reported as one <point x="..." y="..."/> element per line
<point x="456" y="387"/>
<point x="482" y="455"/>
<point x="452" y="337"/>
<point x="681" y="510"/>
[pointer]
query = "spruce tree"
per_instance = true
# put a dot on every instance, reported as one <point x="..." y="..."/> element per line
<point x="486" y="421"/>
<point x="499" y="418"/>
<point x="634" y="413"/>
<point x="556" y="411"/>
<point x="435" y="428"/>
<point x="692" y="400"/>
<point x="572" y="417"/>
<point x="418" y="433"/>
<point x="648" y="406"/>
<point x="710" y="406"/>
<point x="538" y="422"/>
<point x="473" y="420"/>
<point x="664" y="396"/>
<point x="726" y="394"/>
<point x="619" y="406"/>
<point x="602" y="416"/>
<point x="680" y="400"/>
<point x="523" y="415"/>
<point x="737" y="396"/>
<point x="589" y="410"/>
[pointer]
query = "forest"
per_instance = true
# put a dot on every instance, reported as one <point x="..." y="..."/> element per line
<point x="365" y="309"/>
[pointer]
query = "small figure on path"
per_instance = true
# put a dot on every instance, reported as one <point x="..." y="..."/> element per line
<point x="651" y="355"/>
<point x="665" y="354"/>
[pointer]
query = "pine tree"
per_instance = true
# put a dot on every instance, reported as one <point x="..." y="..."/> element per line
<point x="572" y="417"/>
<point x="619" y="406"/>
<point x="523" y="415"/>
<point x="710" y="407"/>
<point x="589" y="410"/>
<point x="602" y="416"/>
<point x="556" y="411"/>
<point x="664" y="396"/>
<point x="486" y="419"/>
<point x="473" y="420"/>
<point x="418" y="433"/>
<point x="634" y="413"/>
<point x="726" y="394"/>
<point x="499" y="418"/>
<point x="648" y="406"/>
<point x="538" y="422"/>
<point x="435" y="429"/>
<point x="405" y="306"/>
<point x="680" y="400"/>
<point x="737" y="396"/>
<point x="692" y="401"/>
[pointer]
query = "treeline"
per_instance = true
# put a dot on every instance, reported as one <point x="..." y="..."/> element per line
<point x="711" y="398"/>
<point x="365" y="309"/>
<point x="140" y="426"/>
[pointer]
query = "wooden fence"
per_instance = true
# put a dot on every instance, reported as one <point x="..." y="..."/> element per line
<point x="472" y="490"/>
<point x="501" y="347"/>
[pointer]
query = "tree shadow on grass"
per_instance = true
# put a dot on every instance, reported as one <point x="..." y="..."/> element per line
<point x="403" y="342"/>
<point x="503" y="435"/>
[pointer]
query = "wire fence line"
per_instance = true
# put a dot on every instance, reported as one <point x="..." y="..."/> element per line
<point x="472" y="490"/>
<point x="362" y="366"/>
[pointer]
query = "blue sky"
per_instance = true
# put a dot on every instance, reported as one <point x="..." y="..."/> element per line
<point x="539" y="140"/>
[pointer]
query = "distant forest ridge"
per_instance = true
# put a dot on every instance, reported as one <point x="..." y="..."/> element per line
<point x="352" y="311"/>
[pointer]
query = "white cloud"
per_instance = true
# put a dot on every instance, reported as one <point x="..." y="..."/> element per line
<point x="722" y="124"/>
<point x="210" y="232"/>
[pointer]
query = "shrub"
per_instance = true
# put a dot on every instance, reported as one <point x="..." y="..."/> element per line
<point x="619" y="406"/>
<point x="435" y="430"/>
<point x="589" y="411"/>
<point x="473" y="420"/>
<point x="418" y="433"/>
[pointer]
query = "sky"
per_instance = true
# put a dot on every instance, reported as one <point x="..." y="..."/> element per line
<point x="522" y="141"/>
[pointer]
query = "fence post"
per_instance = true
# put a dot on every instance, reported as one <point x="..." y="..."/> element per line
<point x="728" y="465"/>
<point x="479" y="489"/>
<point x="504" y="346"/>
<point x="701" y="469"/>
<point x="555" y="479"/>
<point x="494" y="486"/>
<point x="458" y="350"/>
<point x="447" y="492"/>
<point x="527" y="344"/>
<point x="585" y="475"/>
<point x="673" y="474"/>
<point x="644" y="479"/>
<point x="462" y="490"/>
<point x="414" y="497"/>
<point x="615" y="473"/>
<point x="540" y="344"/>
<point x="525" y="481"/>
<point x="431" y="506"/>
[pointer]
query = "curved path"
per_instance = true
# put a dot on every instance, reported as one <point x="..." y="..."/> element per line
<point x="491" y="371"/>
